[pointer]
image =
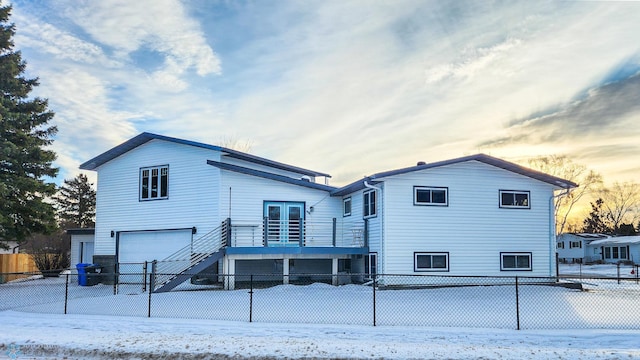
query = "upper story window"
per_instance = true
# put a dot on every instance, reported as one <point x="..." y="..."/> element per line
<point x="369" y="199"/>
<point x="514" y="199"/>
<point x="575" y="244"/>
<point x="429" y="195"/>
<point x="346" y="206"/>
<point x="560" y="244"/>
<point x="154" y="182"/>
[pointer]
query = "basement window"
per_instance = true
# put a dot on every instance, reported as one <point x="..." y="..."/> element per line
<point x="515" y="261"/>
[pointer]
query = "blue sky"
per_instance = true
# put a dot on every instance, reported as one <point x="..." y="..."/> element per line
<point x="344" y="87"/>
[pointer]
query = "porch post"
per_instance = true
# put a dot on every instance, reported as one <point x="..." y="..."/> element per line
<point x="334" y="232"/>
<point x="366" y="232"/>
<point x="285" y="271"/>
<point x="230" y="278"/>
<point x="334" y="271"/>
<point x="300" y="231"/>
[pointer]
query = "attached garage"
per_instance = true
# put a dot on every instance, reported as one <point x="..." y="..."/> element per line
<point x="141" y="246"/>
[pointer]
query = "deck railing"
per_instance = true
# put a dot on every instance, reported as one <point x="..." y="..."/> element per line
<point x="317" y="233"/>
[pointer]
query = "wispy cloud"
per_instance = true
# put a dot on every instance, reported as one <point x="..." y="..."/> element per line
<point x="160" y="25"/>
<point x="60" y="44"/>
<point x="606" y="111"/>
<point x="347" y="87"/>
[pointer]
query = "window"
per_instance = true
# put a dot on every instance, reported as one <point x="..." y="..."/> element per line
<point x="438" y="261"/>
<point x="615" y="252"/>
<point x="515" y="261"/>
<point x="154" y="183"/>
<point x="346" y="206"/>
<point x="437" y="196"/>
<point x="371" y="264"/>
<point x="369" y="198"/>
<point x="560" y="244"/>
<point x="514" y="199"/>
<point x="575" y="244"/>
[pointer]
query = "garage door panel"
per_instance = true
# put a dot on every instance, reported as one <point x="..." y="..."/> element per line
<point x="138" y="247"/>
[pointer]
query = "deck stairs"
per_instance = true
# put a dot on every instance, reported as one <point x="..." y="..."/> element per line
<point x="192" y="259"/>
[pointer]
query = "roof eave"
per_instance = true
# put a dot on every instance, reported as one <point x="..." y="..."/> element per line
<point x="270" y="176"/>
<point x="145" y="137"/>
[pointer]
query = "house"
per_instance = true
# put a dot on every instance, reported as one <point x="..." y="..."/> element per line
<point x="614" y="249"/>
<point x="82" y="243"/>
<point x="196" y="207"/>
<point x="572" y="248"/>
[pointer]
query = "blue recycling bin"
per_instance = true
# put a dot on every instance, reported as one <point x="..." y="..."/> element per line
<point x="87" y="274"/>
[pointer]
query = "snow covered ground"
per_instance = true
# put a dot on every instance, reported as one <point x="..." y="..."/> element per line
<point x="473" y="323"/>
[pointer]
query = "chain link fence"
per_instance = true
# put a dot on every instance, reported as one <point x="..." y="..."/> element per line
<point x="565" y="302"/>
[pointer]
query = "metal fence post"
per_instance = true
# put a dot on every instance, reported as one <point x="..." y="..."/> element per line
<point x="152" y="285"/>
<point x="66" y="294"/>
<point x="517" y="306"/>
<point x="375" y="279"/>
<point x="618" y="268"/>
<point x="251" y="298"/>
<point x="116" y="273"/>
<point x="557" y="267"/>
<point x="144" y="276"/>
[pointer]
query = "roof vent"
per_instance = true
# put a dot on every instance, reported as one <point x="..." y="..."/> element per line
<point x="306" y="178"/>
<point x="421" y="163"/>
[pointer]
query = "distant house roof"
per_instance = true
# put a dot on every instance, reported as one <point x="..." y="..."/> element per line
<point x="586" y="236"/>
<point x="82" y="231"/>
<point x="555" y="181"/>
<point x="617" y="240"/>
<point x="146" y="137"/>
<point x="270" y="176"/>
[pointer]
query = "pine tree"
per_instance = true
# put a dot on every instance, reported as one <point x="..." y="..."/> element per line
<point x="76" y="203"/>
<point x="24" y="133"/>
<point x="596" y="222"/>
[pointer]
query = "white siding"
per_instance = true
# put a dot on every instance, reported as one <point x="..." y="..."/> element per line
<point x="375" y="223"/>
<point x="634" y="253"/>
<point x="193" y="192"/>
<point x="76" y="249"/>
<point x="472" y="228"/>
<point x="248" y="194"/>
<point x="571" y="253"/>
<point x="265" y="168"/>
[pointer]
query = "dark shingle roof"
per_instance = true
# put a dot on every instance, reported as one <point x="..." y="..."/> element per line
<point x="146" y="137"/>
<point x="490" y="160"/>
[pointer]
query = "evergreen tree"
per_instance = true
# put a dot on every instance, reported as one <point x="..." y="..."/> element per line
<point x="626" y="230"/>
<point x="596" y="222"/>
<point x="24" y="133"/>
<point x="76" y="203"/>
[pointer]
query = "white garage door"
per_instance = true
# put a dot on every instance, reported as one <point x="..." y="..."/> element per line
<point x="138" y="247"/>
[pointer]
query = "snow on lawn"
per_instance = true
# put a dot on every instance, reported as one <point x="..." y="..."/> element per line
<point x="321" y="321"/>
<point x="598" y="270"/>
<point x="108" y="337"/>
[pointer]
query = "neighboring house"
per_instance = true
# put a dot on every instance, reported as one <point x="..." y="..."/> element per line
<point x="82" y="244"/>
<point x="572" y="248"/>
<point x="205" y="207"/>
<point x="614" y="249"/>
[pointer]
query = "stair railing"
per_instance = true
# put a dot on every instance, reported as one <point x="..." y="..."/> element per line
<point x="192" y="254"/>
